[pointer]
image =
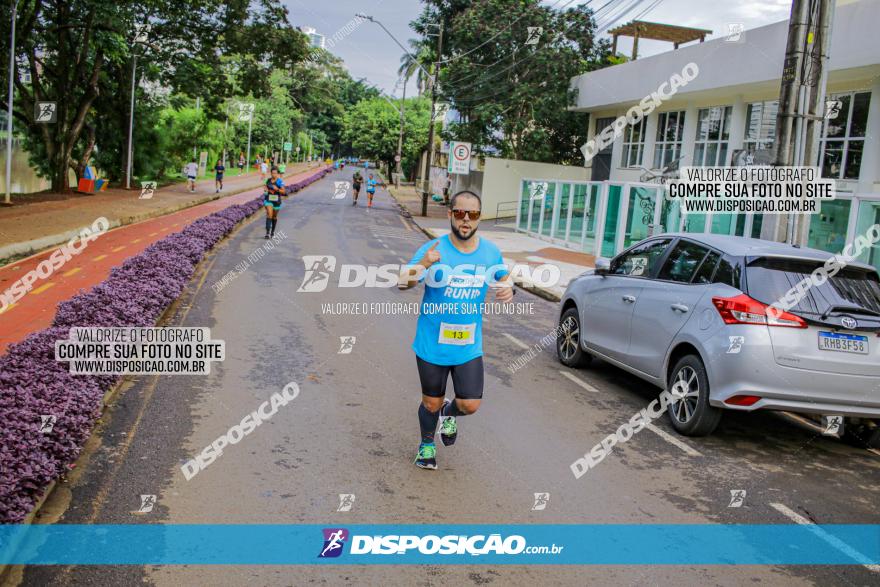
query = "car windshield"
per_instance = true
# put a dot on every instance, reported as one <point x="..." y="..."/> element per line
<point x="852" y="288"/>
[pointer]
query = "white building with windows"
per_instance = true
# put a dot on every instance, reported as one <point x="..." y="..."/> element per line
<point x="315" y="38"/>
<point x="728" y="110"/>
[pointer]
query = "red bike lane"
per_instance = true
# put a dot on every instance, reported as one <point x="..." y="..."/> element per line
<point x="36" y="309"/>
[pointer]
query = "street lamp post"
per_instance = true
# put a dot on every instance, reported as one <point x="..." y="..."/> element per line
<point x="8" y="199"/>
<point x="427" y="178"/>
<point x="131" y="123"/>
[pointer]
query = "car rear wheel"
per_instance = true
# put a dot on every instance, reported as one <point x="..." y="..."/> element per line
<point x="689" y="408"/>
<point x="568" y="340"/>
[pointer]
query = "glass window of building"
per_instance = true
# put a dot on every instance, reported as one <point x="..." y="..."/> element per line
<point x="828" y="227"/>
<point x="843" y="136"/>
<point x="670" y="126"/>
<point x="633" y="144"/>
<point x="713" y="135"/>
<point x="760" y="126"/>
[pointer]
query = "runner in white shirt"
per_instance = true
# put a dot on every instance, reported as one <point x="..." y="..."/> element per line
<point x="191" y="170"/>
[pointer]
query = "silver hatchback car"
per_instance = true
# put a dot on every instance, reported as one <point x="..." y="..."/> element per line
<point x="690" y="311"/>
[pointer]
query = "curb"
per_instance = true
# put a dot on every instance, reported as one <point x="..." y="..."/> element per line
<point x="541" y="292"/>
<point x="20" y="251"/>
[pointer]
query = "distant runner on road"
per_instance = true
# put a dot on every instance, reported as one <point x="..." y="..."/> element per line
<point x="219" y="169"/>
<point x="371" y="190"/>
<point x="356" y="181"/>
<point x="457" y="269"/>
<point x="191" y="170"/>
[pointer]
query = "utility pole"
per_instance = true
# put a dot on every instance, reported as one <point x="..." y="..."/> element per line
<point x="427" y="176"/>
<point x="801" y="99"/>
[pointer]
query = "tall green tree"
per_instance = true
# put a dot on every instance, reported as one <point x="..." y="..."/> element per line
<point x="372" y="127"/>
<point x="79" y="55"/>
<point x="506" y="68"/>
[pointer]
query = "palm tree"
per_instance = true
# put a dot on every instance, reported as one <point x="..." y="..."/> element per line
<point x="412" y="63"/>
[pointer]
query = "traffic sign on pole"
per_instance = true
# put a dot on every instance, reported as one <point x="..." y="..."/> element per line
<point x="459" y="158"/>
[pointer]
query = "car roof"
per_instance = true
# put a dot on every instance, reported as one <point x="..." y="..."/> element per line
<point x="740" y="246"/>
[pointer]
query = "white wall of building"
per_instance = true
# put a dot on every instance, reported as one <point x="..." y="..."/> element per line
<point x="502" y="179"/>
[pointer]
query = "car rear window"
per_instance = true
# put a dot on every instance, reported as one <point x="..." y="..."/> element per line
<point x="770" y="279"/>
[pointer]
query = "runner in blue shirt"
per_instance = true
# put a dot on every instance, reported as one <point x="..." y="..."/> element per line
<point x="371" y="189"/>
<point x="272" y="201"/>
<point x="458" y="270"/>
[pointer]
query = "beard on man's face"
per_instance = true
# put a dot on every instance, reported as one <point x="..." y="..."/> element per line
<point x="459" y="235"/>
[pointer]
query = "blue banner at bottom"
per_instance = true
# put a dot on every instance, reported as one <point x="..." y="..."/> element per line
<point x="561" y="544"/>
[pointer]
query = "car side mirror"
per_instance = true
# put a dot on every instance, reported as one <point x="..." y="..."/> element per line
<point x="603" y="266"/>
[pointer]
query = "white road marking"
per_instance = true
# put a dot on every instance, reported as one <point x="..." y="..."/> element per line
<point x="579" y="381"/>
<point x="875" y="451"/>
<point x="384" y="245"/>
<point x="402" y="261"/>
<point x="673" y="440"/>
<point x="516" y="341"/>
<point x="829" y="538"/>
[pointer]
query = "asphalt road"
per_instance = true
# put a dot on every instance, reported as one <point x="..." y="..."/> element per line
<point x="353" y="430"/>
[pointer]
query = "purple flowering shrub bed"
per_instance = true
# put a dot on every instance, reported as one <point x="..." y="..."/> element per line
<point x="33" y="383"/>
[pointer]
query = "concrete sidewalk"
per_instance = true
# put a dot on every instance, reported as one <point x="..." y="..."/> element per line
<point x="51" y="219"/>
<point x="516" y="247"/>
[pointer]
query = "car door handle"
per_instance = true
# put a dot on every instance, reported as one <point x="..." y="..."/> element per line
<point x="629" y="299"/>
<point x="680" y="308"/>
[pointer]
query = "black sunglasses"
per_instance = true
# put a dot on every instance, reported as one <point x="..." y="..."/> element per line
<point x="460" y="214"/>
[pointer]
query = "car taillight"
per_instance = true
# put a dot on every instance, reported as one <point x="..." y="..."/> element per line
<point x="742" y="309"/>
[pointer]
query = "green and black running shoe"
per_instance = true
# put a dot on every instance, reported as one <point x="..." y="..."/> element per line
<point x="426" y="459"/>
<point x="448" y="427"/>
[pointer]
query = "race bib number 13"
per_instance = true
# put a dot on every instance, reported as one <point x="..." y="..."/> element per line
<point x="458" y="334"/>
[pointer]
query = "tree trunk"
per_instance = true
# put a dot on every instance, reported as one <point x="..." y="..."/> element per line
<point x="60" y="168"/>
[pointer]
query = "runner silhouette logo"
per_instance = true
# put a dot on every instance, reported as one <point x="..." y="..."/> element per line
<point x="334" y="540"/>
<point x="318" y="270"/>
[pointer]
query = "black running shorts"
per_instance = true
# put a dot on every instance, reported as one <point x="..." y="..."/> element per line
<point x="467" y="378"/>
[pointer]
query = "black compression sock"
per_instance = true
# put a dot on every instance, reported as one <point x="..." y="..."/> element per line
<point x="268" y="224"/>
<point x="428" y="423"/>
<point x="274" y="224"/>
<point x="451" y="409"/>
